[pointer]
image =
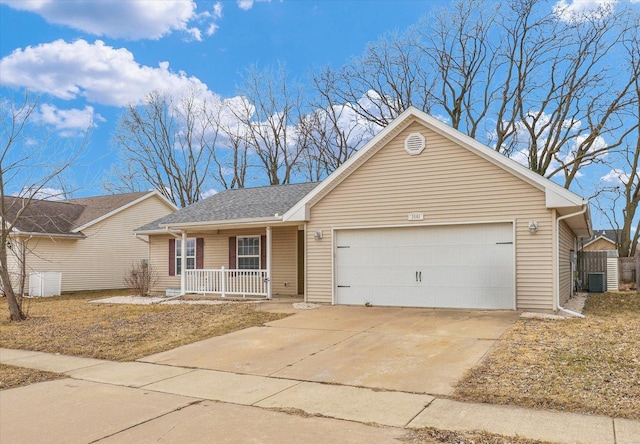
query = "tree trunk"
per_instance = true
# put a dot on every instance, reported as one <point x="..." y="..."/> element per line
<point x="638" y="273"/>
<point x="15" y="308"/>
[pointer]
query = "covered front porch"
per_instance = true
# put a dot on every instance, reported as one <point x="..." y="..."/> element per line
<point x="256" y="262"/>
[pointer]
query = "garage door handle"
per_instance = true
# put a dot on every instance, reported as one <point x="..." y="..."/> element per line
<point x="344" y="286"/>
<point x="418" y="276"/>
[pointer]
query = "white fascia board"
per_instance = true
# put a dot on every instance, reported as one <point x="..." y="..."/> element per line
<point x="555" y="199"/>
<point x="217" y="224"/>
<point x="149" y="232"/>
<point x="124" y="207"/>
<point x="298" y="213"/>
<point x="18" y="233"/>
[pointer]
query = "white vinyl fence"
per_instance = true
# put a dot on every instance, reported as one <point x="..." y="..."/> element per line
<point x="45" y="284"/>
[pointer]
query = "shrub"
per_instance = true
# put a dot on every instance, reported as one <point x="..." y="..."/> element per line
<point x="141" y="277"/>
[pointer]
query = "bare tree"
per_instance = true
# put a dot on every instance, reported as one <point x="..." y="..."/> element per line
<point x="619" y="202"/>
<point x="269" y="116"/>
<point x="542" y="87"/>
<point x="168" y="143"/>
<point x="569" y="99"/>
<point x="27" y="169"/>
<point x="463" y="61"/>
<point x="231" y="157"/>
<point x="384" y="81"/>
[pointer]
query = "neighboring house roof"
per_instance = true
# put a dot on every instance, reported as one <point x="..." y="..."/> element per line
<point x="237" y="205"/>
<point x="69" y="217"/>
<point x="610" y="236"/>
<point x="42" y="216"/>
<point x="564" y="201"/>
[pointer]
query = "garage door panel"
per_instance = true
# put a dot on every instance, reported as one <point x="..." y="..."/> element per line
<point x="453" y="266"/>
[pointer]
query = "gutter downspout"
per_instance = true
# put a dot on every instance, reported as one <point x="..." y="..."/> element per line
<point x="566" y="216"/>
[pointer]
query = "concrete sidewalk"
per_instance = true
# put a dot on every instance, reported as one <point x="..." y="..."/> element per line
<point x="108" y="401"/>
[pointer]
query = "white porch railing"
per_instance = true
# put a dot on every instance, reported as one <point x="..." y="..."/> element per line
<point x="227" y="282"/>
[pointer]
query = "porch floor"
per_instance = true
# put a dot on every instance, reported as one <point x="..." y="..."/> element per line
<point x="216" y="297"/>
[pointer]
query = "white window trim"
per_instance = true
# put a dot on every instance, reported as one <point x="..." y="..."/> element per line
<point x="259" y="255"/>
<point x="179" y="257"/>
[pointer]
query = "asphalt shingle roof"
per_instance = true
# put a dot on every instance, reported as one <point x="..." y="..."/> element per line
<point x="243" y="203"/>
<point x="63" y="216"/>
<point x="612" y="235"/>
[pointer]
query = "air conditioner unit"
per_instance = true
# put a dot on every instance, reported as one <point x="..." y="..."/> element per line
<point x="597" y="283"/>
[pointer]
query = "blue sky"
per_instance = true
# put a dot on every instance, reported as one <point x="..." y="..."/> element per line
<point x="88" y="59"/>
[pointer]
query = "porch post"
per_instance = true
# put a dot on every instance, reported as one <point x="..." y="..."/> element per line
<point x="183" y="274"/>
<point x="268" y="262"/>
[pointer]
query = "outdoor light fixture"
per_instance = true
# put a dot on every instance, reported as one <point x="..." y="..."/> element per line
<point x="317" y="235"/>
<point x="533" y="227"/>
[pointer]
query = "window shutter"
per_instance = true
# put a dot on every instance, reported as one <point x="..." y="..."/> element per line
<point x="172" y="257"/>
<point x="199" y="253"/>
<point x="263" y="252"/>
<point x="232" y="253"/>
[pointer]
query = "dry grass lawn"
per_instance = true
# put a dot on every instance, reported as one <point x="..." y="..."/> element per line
<point x="589" y="365"/>
<point x="71" y="326"/>
<point x="12" y="377"/>
<point x="434" y="436"/>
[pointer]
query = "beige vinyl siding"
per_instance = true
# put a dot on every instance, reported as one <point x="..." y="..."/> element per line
<point x="600" y="245"/>
<point x="100" y="260"/>
<point x="284" y="259"/>
<point x="448" y="184"/>
<point x="216" y="255"/>
<point x="566" y="245"/>
<point x="159" y="261"/>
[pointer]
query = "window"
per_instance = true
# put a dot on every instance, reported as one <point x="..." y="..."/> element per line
<point x="190" y="255"/>
<point x="249" y="253"/>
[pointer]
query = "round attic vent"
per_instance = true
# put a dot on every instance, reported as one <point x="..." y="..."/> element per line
<point x="414" y="144"/>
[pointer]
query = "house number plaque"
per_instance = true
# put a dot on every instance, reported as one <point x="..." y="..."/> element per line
<point x="416" y="216"/>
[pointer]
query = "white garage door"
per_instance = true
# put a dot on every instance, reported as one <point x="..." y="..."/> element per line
<point x="457" y="266"/>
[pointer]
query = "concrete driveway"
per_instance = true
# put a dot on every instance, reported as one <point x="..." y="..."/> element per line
<point x="401" y="349"/>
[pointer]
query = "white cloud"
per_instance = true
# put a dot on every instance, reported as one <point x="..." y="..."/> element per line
<point x="44" y="193"/>
<point x="248" y="4"/>
<point x="195" y="34"/>
<point x="69" y="122"/>
<point x="616" y="176"/>
<point x="100" y="73"/>
<point x="212" y="29"/>
<point x="578" y="10"/>
<point x="208" y="193"/>
<point x="217" y="10"/>
<point x="522" y="157"/>
<point x="131" y="19"/>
